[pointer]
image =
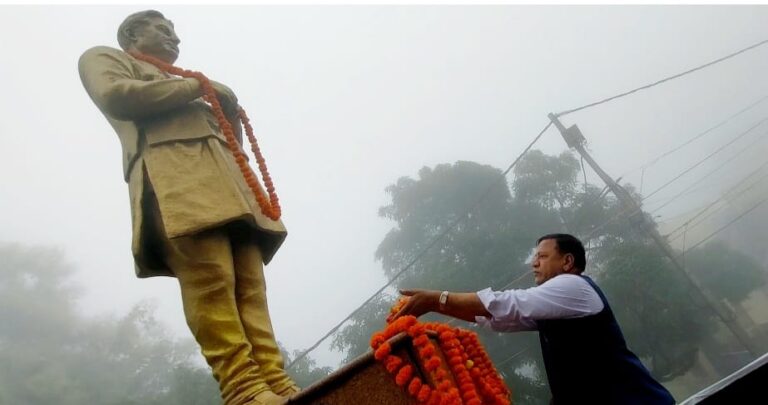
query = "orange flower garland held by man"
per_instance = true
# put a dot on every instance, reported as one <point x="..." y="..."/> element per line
<point x="476" y="380"/>
<point x="198" y="211"/>
<point x="585" y="355"/>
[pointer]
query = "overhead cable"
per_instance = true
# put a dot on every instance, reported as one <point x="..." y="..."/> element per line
<point x="720" y="149"/>
<point x="696" y="137"/>
<point x="710" y="173"/>
<point x="725" y="195"/>
<point x="731" y="222"/>
<point x="647" y="86"/>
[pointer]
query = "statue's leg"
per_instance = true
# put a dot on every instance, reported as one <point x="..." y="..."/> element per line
<point x="252" y="302"/>
<point x="203" y="264"/>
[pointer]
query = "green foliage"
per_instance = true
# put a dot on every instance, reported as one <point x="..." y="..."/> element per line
<point x="51" y="354"/>
<point x="353" y="340"/>
<point x="305" y="372"/>
<point x="548" y="181"/>
<point x="726" y="272"/>
<point x="423" y="209"/>
<point x="658" y="315"/>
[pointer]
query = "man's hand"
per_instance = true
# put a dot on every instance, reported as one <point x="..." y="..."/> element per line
<point x="226" y="97"/>
<point x="419" y="303"/>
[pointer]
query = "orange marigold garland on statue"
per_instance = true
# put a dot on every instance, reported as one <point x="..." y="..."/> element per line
<point x="271" y="207"/>
<point x="478" y="381"/>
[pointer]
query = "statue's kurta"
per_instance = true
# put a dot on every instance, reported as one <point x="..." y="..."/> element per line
<point x="196" y="182"/>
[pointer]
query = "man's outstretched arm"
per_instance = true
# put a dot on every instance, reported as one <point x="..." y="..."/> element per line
<point x="465" y="306"/>
<point x="565" y="296"/>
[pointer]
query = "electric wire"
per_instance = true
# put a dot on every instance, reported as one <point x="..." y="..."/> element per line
<point x="731" y="222"/>
<point x="720" y="149"/>
<point x="655" y="160"/>
<point x="710" y="173"/>
<point x="721" y="198"/>
<point x="419" y="255"/>
<point x="635" y="210"/>
<point x="663" y="80"/>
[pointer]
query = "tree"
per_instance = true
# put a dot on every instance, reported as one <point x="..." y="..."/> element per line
<point x="305" y="371"/>
<point x="423" y="209"/>
<point x="52" y="354"/>
<point x="353" y="339"/>
<point x="654" y="307"/>
<point x="726" y="272"/>
<point x="487" y="247"/>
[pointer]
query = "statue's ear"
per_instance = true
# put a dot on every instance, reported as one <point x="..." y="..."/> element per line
<point x="130" y="33"/>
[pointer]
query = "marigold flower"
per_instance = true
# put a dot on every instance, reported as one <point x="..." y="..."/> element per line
<point x="421" y="340"/>
<point x="424" y="392"/>
<point x="432" y="363"/>
<point x="382" y="351"/>
<point x="417" y="330"/>
<point x="404" y="375"/>
<point x="414" y="386"/>
<point x="435" y="398"/>
<point x="393" y="363"/>
<point x="427" y="351"/>
<point x="377" y="339"/>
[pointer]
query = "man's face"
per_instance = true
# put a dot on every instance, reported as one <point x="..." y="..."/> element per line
<point x="547" y="261"/>
<point x="157" y="38"/>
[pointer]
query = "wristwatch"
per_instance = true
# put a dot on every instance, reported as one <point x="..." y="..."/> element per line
<point x="443" y="300"/>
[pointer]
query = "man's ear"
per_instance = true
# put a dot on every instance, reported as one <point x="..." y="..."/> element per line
<point x="569" y="263"/>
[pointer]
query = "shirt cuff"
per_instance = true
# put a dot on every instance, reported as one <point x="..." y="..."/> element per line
<point x="485" y="297"/>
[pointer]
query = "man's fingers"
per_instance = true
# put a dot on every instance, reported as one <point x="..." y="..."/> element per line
<point x="408" y="293"/>
<point x="404" y="310"/>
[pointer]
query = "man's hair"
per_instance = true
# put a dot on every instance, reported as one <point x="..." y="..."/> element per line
<point x="569" y="244"/>
<point x="131" y="23"/>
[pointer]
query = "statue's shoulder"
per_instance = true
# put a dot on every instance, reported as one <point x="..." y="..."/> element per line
<point x="100" y="58"/>
<point x="106" y="50"/>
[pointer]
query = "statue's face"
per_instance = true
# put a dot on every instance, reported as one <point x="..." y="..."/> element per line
<point x="157" y="38"/>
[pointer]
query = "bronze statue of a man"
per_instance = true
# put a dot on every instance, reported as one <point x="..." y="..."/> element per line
<point x="194" y="217"/>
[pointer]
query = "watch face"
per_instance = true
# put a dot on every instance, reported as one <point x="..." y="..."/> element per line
<point x="444" y="298"/>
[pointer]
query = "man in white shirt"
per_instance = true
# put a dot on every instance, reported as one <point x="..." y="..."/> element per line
<point x="585" y="355"/>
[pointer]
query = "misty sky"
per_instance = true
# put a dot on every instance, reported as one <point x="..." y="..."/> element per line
<point x="344" y="100"/>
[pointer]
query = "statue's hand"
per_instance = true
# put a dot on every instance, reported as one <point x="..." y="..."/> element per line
<point x="226" y="97"/>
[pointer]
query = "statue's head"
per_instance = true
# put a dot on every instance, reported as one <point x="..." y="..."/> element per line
<point x="150" y="33"/>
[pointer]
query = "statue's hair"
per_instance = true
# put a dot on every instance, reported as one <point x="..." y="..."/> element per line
<point x="132" y="22"/>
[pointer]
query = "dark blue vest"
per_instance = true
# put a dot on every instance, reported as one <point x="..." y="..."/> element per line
<point x="588" y="362"/>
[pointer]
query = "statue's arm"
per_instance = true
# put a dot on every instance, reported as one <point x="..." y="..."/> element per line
<point x="109" y="79"/>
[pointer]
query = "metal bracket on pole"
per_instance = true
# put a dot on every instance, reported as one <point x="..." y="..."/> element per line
<point x="572" y="135"/>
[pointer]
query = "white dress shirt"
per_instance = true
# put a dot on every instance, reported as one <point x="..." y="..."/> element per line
<point x="563" y="296"/>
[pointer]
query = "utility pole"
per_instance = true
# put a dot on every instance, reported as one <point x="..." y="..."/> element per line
<point x="575" y="140"/>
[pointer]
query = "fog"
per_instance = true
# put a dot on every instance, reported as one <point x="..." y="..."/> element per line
<point x="347" y="99"/>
